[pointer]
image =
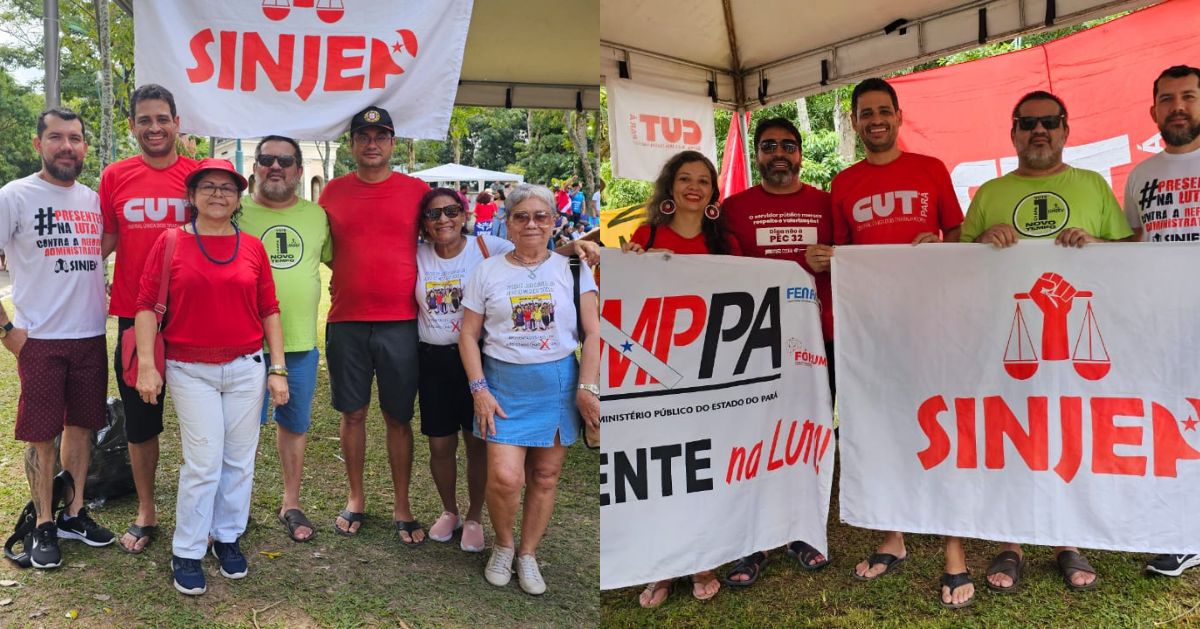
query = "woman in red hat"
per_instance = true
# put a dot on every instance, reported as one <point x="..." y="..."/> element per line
<point x="220" y="304"/>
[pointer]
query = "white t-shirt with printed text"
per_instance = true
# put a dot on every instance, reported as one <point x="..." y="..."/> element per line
<point x="440" y="286"/>
<point x="1162" y="197"/>
<point x="51" y="236"/>
<point x="527" y="319"/>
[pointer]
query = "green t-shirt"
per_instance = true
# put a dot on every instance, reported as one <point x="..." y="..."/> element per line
<point x="297" y="242"/>
<point x="1041" y="207"/>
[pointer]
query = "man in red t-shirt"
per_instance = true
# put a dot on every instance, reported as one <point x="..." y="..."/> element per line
<point x="780" y="219"/>
<point x="893" y="197"/>
<point x="140" y="197"/>
<point x="372" y="328"/>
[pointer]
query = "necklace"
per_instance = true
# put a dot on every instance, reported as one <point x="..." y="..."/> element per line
<point x="527" y="263"/>
<point x="237" y="243"/>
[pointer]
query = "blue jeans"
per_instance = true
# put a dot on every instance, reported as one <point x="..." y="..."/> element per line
<point x="296" y="415"/>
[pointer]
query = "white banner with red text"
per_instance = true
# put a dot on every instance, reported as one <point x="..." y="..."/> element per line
<point x="303" y="68"/>
<point x="648" y="125"/>
<point x="715" y="413"/>
<point x="1035" y="394"/>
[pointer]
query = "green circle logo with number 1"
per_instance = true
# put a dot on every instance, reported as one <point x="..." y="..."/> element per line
<point x="1041" y="214"/>
<point x="284" y="246"/>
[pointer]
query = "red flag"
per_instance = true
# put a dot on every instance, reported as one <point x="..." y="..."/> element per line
<point x="734" y="176"/>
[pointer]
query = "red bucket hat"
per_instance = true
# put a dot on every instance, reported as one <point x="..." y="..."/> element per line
<point x="213" y="163"/>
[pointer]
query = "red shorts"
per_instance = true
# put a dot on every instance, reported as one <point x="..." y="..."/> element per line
<point x="63" y="382"/>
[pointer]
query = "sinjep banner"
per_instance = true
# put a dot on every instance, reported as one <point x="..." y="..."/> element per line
<point x="648" y="125"/>
<point x="303" y="68"/>
<point x="1036" y="394"/>
<point x="714" y="402"/>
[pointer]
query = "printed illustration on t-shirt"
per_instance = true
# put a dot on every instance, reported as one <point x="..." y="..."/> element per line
<point x="284" y="245"/>
<point x="1041" y="214"/>
<point x="532" y="316"/>
<point x="1170" y="209"/>
<point x="444" y="297"/>
<point x="70" y="236"/>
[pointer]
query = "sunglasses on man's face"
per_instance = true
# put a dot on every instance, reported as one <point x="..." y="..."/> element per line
<point x="1029" y="123"/>
<point x="285" y="161"/>
<point x="769" y="146"/>
<point x="433" y="213"/>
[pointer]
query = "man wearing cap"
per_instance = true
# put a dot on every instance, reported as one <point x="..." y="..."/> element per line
<point x="372" y="328"/>
<point x="58" y="335"/>
<point x="140" y="197"/>
<point x="295" y="234"/>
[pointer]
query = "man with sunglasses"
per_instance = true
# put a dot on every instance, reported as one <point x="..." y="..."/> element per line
<point x="1043" y="198"/>
<point x="1158" y="215"/>
<point x="780" y="219"/>
<point x="295" y="233"/>
<point x="372" y="327"/>
<point x="140" y="197"/>
<point x="894" y="197"/>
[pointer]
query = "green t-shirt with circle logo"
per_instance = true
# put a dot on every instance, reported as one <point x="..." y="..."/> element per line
<point x="1041" y="207"/>
<point x="297" y="242"/>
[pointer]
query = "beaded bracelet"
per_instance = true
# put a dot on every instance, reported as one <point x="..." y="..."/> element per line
<point x="478" y="385"/>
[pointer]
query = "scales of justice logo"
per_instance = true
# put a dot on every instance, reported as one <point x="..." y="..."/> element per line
<point x="1054" y="297"/>
<point x="329" y="11"/>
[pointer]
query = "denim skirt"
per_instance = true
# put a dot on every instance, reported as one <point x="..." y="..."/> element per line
<point x="539" y="400"/>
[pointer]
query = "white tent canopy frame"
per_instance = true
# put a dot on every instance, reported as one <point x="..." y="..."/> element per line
<point x="460" y="173"/>
<point x="747" y="54"/>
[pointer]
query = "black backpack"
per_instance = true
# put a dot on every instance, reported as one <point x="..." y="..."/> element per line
<point x="63" y="494"/>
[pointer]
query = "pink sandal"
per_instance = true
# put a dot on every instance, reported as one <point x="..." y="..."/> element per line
<point x="445" y="526"/>
<point x="472" y="537"/>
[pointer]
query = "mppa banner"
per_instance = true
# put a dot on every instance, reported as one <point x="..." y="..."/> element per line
<point x="303" y="68"/>
<point x="962" y="114"/>
<point x="1035" y="394"/>
<point x="648" y="125"/>
<point x="715" y="411"/>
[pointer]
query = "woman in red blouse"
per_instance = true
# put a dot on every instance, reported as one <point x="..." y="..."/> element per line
<point x="220" y="304"/>
<point x="682" y="216"/>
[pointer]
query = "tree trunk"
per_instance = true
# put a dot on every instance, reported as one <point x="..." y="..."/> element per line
<point x="576" y="126"/>
<point x="106" y="84"/>
<point x="844" y="128"/>
<point x="802" y="115"/>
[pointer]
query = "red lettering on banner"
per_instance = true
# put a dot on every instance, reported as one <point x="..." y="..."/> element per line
<point x="337" y="61"/>
<point x="643" y="333"/>
<point x="650" y="123"/>
<point x="382" y="64"/>
<point x="672" y="130"/>
<point x="745" y="465"/>
<point x="671" y="306"/>
<point x="228" y="48"/>
<point x="279" y="71"/>
<point x="204" y="66"/>
<point x="312" y="61"/>
<point x="1168" y="445"/>
<point x="813" y="439"/>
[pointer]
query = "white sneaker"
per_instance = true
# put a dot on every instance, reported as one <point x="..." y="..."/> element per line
<point x="499" y="567"/>
<point x="529" y="576"/>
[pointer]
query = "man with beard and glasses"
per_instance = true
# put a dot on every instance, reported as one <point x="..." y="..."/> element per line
<point x="295" y="233"/>
<point x="780" y="219"/>
<point x="372" y="324"/>
<point x="47" y="222"/>
<point x="140" y="197"/>
<point x="1158" y="216"/>
<point x="1043" y="198"/>
<point x="894" y="197"/>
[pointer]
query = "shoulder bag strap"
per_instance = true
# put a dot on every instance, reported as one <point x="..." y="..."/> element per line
<point x="575" y="265"/>
<point x="482" y="246"/>
<point x="160" y="308"/>
<point x="653" y="233"/>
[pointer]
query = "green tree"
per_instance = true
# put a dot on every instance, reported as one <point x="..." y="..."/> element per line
<point x="19" y="108"/>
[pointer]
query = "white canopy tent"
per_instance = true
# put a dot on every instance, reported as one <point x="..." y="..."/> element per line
<point x="458" y="172"/>
<point x="746" y="54"/>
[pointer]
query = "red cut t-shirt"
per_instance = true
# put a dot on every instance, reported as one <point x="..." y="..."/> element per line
<point x="781" y="227"/>
<point x="139" y="202"/>
<point x="893" y="203"/>
<point x="484" y="212"/>
<point x="374" y="232"/>
<point x="214" y="311"/>
<point x="667" y="238"/>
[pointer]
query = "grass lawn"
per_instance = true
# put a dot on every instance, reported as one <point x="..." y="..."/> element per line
<point x="370" y="580"/>
<point x="787" y="596"/>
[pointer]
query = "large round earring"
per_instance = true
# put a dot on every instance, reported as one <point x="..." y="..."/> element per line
<point x="712" y="212"/>
<point x="666" y="207"/>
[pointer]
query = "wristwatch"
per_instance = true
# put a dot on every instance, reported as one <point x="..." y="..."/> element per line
<point x="590" y="388"/>
<point x="5" y="329"/>
<point x="277" y="370"/>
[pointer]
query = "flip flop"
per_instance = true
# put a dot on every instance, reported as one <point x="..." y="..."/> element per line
<point x="751" y="565"/>
<point x="293" y="519"/>
<point x="955" y="581"/>
<point x="1071" y="563"/>
<point x="653" y="589"/>
<point x="890" y="561"/>
<point x="148" y="532"/>
<point x="1010" y="564"/>
<point x="350" y="517"/>
<point x="409" y="526"/>
<point x="699" y="580"/>
<point x="802" y="552"/>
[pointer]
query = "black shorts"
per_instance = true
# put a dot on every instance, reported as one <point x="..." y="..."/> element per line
<point x="143" y="421"/>
<point x="446" y="403"/>
<point x="359" y="351"/>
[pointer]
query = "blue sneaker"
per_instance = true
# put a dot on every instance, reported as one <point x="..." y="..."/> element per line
<point x="189" y="576"/>
<point x="233" y="562"/>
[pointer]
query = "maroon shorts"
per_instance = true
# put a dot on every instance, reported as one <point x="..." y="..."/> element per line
<point x="63" y="382"/>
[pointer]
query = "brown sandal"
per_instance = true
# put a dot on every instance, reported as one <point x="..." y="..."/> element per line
<point x="700" y="581"/>
<point x="652" y="590"/>
<point x="1071" y="563"/>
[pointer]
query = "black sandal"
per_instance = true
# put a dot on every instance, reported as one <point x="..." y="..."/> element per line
<point x="139" y="533"/>
<point x="953" y="582"/>
<point x="293" y="519"/>
<point x="751" y="565"/>
<point x="1009" y="563"/>
<point x="802" y="552"/>
<point x="888" y="560"/>
<point x="410" y="526"/>
<point x="1071" y="563"/>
